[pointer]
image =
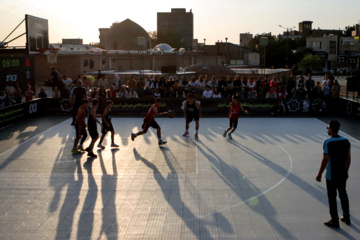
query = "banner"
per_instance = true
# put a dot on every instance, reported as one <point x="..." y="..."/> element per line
<point x="21" y="111"/>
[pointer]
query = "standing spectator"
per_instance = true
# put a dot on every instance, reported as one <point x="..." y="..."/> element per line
<point x="149" y="82"/>
<point x="335" y="90"/>
<point x="275" y="84"/>
<point x="140" y="86"/>
<point x="317" y="90"/>
<point x="28" y="94"/>
<point x="184" y="83"/>
<point x="213" y="83"/>
<point x="291" y="86"/>
<point x="309" y="83"/>
<point x="336" y="160"/>
<point x="266" y="85"/>
<point x="207" y="93"/>
<point x="148" y="92"/>
<point x="117" y="80"/>
<point x="132" y="82"/>
<point x="103" y="82"/>
<point x="132" y="93"/>
<point x="237" y="84"/>
<point x="67" y="81"/>
<point x="42" y="93"/>
<point x="77" y="94"/>
<point x="55" y="78"/>
<point x="301" y="82"/>
<point x="230" y="85"/>
<point x="222" y="84"/>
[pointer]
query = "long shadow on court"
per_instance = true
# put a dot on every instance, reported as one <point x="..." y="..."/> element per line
<point x="238" y="183"/>
<point x="86" y="220"/>
<point x="108" y="194"/>
<point x="71" y="201"/>
<point x="174" y="199"/>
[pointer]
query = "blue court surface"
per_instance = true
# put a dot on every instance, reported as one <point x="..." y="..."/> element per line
<point x="259" y="185"/>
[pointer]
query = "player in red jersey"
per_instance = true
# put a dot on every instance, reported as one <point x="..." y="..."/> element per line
<point x="235" y="108"/>
<point x="80" y="127"/>
<point x="149" y="121"/>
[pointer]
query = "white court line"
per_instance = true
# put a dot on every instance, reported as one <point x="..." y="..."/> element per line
<point x="254" y="197"/>
<point x="37" y="135"/>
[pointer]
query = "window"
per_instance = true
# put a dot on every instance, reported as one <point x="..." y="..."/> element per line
<point x="332" y="47"/>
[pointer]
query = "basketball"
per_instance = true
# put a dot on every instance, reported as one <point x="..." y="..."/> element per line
<point x="171" y="114"/>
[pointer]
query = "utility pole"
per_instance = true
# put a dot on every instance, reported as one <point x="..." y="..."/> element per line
<point x="287" y="42"/>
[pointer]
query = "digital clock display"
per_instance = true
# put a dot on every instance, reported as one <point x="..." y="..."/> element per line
<point x="18" y="69"/>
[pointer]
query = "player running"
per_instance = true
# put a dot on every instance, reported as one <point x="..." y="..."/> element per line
<point x="107" y="125"/>
<point x="235" y="108"/>
<point x="191" y="112"/>
<point x="80" y="127"/>
<point x="92" y="128"/>
<point x="149" y="121"/>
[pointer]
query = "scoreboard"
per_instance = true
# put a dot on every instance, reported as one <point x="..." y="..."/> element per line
<point x="17" y="69"/>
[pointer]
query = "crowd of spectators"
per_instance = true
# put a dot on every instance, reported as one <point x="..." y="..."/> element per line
<point x="202" y="86"/>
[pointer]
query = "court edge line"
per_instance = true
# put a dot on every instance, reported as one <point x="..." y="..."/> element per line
<point x="37" y="135"/>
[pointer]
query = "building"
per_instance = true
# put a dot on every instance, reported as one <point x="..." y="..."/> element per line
<point x="305" y="28"/>
<point x="126" y="35"/>
<point x="325" y="47"/>
<point x="245" y="39"/>
<point x="176" y="28"/>
<point x="356" y="32"/>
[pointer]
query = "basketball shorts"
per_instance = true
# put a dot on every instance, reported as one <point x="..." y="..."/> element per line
<point x="106" y="128"/>
<point x="233" y="122"/>
<point x="147" y="125"/>
<point x="191" y="117"/>
<point x="80" y="131"/>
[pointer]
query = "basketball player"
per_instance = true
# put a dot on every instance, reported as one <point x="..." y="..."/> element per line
<point x="107" y="125"/>
<point x="80" y="127"/>
<point x="191" y="112"/>
<point x="235" y="108"/>
<point x="149" y="121"/>
<point x="92" y="128"/>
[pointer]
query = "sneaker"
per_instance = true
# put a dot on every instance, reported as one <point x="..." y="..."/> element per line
<point x="196" y="135"/>
<point x="91" y="154"/>
<point x="332" y="223"/>
<point x="75" y="151"/>
<point x="80" y="148"/>
<point x="87" y="149"/>
<point x="133" y="136"/>
<point x="100" y="146"/>
<point x="345" y="220"/>
<point x="161" y="142"/>
<point x="224" y="135"/>
<point x="230" y="137"/>
<point x="114" y="145"/>
<point x="186" y="134"/>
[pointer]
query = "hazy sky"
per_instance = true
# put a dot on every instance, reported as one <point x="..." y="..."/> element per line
<point x="213" y="19"/>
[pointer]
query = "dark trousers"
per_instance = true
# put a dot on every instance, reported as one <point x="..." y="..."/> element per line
<point x="75" y="108"/>
<point x="332" y="188"/>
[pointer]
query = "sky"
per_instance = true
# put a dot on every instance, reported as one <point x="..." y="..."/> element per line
<point x="213" y="19"/>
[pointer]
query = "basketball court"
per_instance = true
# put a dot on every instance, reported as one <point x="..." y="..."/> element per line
<point x="260" y="185"/>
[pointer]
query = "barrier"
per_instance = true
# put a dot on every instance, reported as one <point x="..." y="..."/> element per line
<point x="21" y="111"/>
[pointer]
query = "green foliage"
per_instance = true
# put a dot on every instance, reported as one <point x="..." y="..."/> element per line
<point x="311" y="60"/>
<point x="348" y="30"/>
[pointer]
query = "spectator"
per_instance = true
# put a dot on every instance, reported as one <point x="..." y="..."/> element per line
<point x="28" y="94"/>
<point x="317" y="90"/>
<point x="192" y="83"/>
<point x="294" y="70"/>
<point x="112" y="92"/>
<point x="148" y="92"/>
<point x="10" y="88"/>
<point x="200" y="82"/>
<point x="77" y="94"/>
<point x="42" y="93"/>
<point x="225" y="92"/>
<point x="198" y="92"/>
<point x="17" y="96"/>
<point x="291" y="86"/>
<point x="123" y="93"/>
<point x="327" y="90"/>
<point x="99" y="75"/>
<point x="301" y="82"/>
<point x="266" y="85"/>
<point x="67" y="81"/>
<point x="132" y="93"/>
<point x="335" y="90"/>
<point x="230" y="85"/>
<point x="157" y="93"/>
<point x="275" y="84"/>
<point x="149" y="82"/>
<point x="271" y="93"/>
<point x="207" y="93"/>
<point x="8" y="99"/>
<point x="309" y="83"/>
<point x="184" y="83"/>
<point x="252" y="93"/>
<point x="57" y="84"/>
<point x="216" y="93"/>
<point x="237" y="84"/>
<point x="180" y="93"/>
<point x="117" y="80"/>
<point x="140" y="87"/>
<point x="300" y="93"/>
<point x="282" y="93"/>
<point x="213" y="83"/>
<point x="190" y="90"/>
<point x="2" y="98"/>
<point x="132" y="82"/>
<point x="222" y="84"/>
<point x="162" y="86"/>
<point x="278" y="109"/>
<point x="103" y="82"/>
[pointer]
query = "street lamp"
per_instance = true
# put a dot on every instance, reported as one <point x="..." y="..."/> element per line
<point x="226" y="50"/>
<point x="287" y="40"/>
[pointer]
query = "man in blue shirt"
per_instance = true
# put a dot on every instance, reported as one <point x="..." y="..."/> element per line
<point x="336" y="160"/>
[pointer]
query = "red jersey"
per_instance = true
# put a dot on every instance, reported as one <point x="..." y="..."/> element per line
<point x="235" y="110"/>
<point x="150" y="116"/>
<point x="81" y="120"/>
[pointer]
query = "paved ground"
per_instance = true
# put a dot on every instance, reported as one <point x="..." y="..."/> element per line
<point x="260" y="185"/>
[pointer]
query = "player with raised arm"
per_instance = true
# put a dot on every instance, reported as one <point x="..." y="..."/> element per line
<point x="192" y="112"/>
<point x="234" y="112"/>
<point x="149" y="121"/>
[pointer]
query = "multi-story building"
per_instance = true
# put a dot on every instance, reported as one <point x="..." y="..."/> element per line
<point x="245" y="39"/>
<point x="176" y="28"/>
<point x="325" y="47"/>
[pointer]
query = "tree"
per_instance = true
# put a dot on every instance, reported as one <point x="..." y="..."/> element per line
<point x="348" y="30"/>
<point x="311" y="60"/>
<point x="153" y="37"/>
<point x="98" y="45"/>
